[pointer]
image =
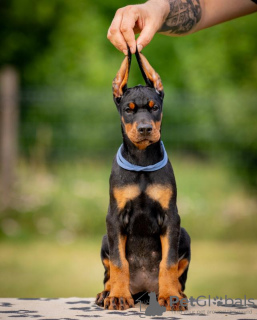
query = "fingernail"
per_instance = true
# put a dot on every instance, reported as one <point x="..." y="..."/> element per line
<point x="131" y="50"/>
<point x="139" y="47"/>
<point x="125" y="52"/>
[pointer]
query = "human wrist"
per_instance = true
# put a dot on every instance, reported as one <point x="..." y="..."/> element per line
<point x="160" y="10"/>
<point x="182" y="18"/>
<point x="163" y="4"/>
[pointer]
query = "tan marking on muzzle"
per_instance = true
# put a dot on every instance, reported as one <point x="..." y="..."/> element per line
<point x="135" y="137"/>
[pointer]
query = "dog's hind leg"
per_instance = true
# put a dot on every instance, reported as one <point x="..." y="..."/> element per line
<point x="106" y="263"/>
<point x="184" y="259"/>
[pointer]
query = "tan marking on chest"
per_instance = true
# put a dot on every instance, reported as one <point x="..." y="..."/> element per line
<point x="124" y="194"/>
<point x="160" y="193"/>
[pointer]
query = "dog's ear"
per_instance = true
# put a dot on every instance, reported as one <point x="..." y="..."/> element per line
<point x="151" y="77"/>
<point x="119" y="84"/>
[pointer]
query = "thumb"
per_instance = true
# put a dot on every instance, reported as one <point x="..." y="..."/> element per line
<point x="145" y="36"/>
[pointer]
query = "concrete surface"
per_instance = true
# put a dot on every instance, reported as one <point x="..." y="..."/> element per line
<point x="84" y="308"/>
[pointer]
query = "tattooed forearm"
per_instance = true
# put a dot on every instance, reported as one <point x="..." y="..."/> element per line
<point x="183" y="16"/>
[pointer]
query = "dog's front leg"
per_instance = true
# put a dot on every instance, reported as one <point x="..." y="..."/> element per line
<point x="120" y="297"/>
<point x="168" y="272"/>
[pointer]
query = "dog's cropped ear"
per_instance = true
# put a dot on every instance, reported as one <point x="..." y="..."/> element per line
<point x="119" y="84"/>
<point x="151" y="77"/>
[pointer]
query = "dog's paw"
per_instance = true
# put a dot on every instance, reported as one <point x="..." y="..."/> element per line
<point x="100" y="298"/>
<point x="173" y="304"/>
<point x="118" y="303"/>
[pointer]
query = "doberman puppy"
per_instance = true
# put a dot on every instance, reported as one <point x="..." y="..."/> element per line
<point x="145" y="249"/>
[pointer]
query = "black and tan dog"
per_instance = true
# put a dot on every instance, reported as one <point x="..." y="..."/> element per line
<point x="145" y="249"/>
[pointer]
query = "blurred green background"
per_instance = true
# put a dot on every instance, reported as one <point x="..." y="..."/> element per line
<point x="69" y="132"/>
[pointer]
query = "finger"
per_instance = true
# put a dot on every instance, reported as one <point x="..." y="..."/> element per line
<point x="145" y="36"/>
<point x="128" y="23"/>
<point x="114" y="34"/>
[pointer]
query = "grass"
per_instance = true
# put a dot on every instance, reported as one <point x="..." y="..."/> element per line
<point x="49" y="269"/>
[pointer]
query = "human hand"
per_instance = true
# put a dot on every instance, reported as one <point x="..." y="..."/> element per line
<point x="171" y="17"/>
<point x="146" y="19"/>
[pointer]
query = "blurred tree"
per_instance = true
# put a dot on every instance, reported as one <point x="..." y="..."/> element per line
<point x="25" y="27"/>
<point x="62" y="44"/>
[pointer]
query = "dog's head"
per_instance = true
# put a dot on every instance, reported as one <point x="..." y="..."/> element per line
<point x="140" y="107"/>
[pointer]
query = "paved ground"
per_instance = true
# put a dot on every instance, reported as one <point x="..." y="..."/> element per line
<point x="80" y="308"/>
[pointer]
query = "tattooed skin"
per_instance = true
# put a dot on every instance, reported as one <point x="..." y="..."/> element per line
<point x="183" y="16"/>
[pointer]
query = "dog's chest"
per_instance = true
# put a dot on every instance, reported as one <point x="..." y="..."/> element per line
<point x="143" y="194"/>
<point x="142" y="205"/>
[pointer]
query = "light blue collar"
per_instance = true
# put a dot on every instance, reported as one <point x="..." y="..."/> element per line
<point x="123" y="163"/>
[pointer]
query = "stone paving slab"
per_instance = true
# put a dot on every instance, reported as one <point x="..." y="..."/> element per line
<point x="85" y="308"/>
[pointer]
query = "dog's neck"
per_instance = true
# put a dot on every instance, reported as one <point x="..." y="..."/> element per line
<point x="149" y="156"/>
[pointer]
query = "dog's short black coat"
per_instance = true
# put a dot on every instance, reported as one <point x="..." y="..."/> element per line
<point x="145" y="249"/>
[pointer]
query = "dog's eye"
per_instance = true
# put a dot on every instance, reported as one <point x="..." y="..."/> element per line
<point x="128" y="110"/>
<point x="155" y="108"/>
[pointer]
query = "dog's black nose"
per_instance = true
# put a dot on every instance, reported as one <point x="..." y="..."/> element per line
<point x="144" y="128"/>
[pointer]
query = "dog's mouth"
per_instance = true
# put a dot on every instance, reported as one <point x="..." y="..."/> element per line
<point x="143" y="140"/>
<point x="143" y="143"/>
